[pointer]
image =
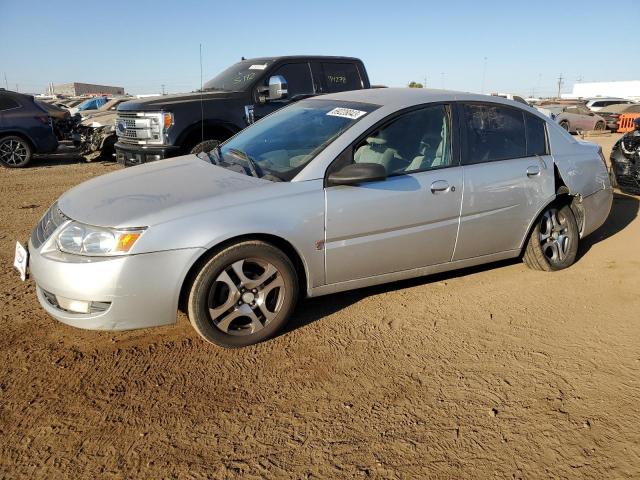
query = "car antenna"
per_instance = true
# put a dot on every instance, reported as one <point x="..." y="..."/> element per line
<point x="201" y="101"/>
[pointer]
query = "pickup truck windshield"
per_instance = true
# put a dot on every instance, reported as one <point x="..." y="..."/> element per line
<point x="282" y="144"/>
<point x="238" y="77"/>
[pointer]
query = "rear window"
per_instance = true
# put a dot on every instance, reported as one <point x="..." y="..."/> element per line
<point x="536" y="135"/>
<point x="339" y="77"/>
<point x="493" y="133"/>
<point x="7" y="103"/>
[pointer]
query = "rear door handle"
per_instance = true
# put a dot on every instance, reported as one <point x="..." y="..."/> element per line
<point x="440" y="186"/>
<point x="533" y="170"/>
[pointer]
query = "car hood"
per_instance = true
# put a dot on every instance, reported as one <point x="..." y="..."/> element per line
<point x="153" y="193"/>
<point x="166" y="102"/>
<point x="100" y="119"/>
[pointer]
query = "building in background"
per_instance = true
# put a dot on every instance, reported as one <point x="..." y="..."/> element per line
<point x="628" y="89"/>
<point x="76" y="89"/>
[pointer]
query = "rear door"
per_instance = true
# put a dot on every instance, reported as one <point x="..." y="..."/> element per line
<point x="508" y="177"/>
<point x="339" y="77"/>
<point x="408" y="220"/>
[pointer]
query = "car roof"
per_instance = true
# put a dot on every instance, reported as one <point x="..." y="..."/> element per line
<point x="403" y="97"/>
<point x="301" y="57"/>
<point x="604" y="99"/>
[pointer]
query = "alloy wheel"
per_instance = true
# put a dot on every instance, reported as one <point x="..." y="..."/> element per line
<point x="246" y="296"/>
<point x="13" y="152"/>
<point x="554" y="235"/>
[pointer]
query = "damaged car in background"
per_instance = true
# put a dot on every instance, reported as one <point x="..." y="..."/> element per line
<point x="94" y="132"/>
<point x="625" y="161"/>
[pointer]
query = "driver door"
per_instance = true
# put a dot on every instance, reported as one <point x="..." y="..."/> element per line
<point x="410" y="219"/>
<point x="299" y="84"/>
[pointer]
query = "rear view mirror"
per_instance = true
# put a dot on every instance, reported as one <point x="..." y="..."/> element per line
<point x="356" y="173"/>
<point x="277" y="87"/>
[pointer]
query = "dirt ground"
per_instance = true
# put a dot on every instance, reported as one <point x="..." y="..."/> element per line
<point x="496" y="371"/>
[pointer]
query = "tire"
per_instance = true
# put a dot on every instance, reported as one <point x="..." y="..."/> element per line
<point x="243" y="294"/>
<point x="553" y="241"/>
<point x="600" y="126"/>
<point x="564" y="124"/>
<point x="15" y="152"/>
<point x="205" y="146"/>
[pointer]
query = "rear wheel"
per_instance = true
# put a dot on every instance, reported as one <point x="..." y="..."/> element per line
<point x="553" y="242"/>
<point x="243" y="294"/>
<point x="15" y="152"/>
<point x="564" y="124"/>
<point x="600" y="126"/>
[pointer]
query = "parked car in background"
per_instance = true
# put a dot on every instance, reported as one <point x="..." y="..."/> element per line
<point x="573" y="118"/>
<point x="509" y="96"/>
<point x="90" y="104"/>
<point x="25" y="129"/>
<point x="170" y="125"/>
<point x="331" y="193"/>
<point x="611" y="113"/>
<point x="598" y="103"/>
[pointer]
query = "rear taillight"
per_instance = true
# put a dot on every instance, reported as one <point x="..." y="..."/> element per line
<point x="614" y="115"/>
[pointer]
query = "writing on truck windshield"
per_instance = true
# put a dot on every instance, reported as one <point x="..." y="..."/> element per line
<point x="238" y="77"/>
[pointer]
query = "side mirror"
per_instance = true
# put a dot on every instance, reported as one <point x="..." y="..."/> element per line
<point x="277" y="87"/>
<point x="356" y="173"/>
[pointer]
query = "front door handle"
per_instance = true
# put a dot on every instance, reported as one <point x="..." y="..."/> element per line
<point x="533" y="170"/>
<point x="439" y="186"/>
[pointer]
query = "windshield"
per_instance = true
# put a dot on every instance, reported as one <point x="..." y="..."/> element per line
<point x="282" y="144"/>
<point x="237" y="77"/>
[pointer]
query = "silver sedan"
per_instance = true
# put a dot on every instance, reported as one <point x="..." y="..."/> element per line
<point x="329" y="194"/>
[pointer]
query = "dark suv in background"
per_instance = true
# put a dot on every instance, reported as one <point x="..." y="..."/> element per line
<point x="170" y="125"/>
<point x="25" y="129"/>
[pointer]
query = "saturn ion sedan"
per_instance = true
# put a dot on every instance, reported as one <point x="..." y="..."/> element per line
<point x="331" y="193"/>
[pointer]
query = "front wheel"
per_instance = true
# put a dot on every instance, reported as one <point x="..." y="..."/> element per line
<point x="564" y="124"/>
<point x="14" y="152"/>
<point x="243" y="295"/>
<point x="600" y="126"/>
<point x="553" y="242"/>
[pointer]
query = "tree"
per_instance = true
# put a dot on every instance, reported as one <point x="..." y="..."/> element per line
<point x="415" y="85"/>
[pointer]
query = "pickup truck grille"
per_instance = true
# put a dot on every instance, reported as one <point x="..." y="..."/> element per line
<point x="48" y="224"/>
<point x="140" y="128"/>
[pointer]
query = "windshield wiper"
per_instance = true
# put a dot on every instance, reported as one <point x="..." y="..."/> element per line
<point x="253" y="165"/>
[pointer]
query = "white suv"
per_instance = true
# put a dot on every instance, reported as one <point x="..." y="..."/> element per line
<point x="597" y="104"/>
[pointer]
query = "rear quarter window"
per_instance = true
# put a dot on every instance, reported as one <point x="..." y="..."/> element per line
<point x="7" y="103"/>
<point x="339" y="77"/>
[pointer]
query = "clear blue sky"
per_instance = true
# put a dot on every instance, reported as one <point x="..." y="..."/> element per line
<point x="143" y="44"/>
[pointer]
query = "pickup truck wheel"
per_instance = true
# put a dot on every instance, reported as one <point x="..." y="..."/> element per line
<point x="205" y="146"/>
<point x="243" y="295"/>
<point x="14" y="152"/>
<point x="553" y="242"/>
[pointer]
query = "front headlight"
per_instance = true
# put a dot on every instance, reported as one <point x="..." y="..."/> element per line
<point x="87" y="240"/>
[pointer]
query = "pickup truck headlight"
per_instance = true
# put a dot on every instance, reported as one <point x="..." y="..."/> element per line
<point x="81" y="239"/>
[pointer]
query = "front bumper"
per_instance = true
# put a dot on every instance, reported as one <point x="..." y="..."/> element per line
<point x="129" y="155"/>
<point x="134" y="291"/>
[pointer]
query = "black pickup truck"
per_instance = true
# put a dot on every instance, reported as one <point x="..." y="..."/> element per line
<point x="170" y="125"/>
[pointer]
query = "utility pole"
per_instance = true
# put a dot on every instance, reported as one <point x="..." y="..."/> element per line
<point x="484" y="74"/>
<point x="17" y="90"/>
<point x="162" y="86"/>
<point x="6" y="85"/>
<point x="424" y="85"/>
<point x="560" y="79"/>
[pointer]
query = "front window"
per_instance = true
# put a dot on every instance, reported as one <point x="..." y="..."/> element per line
<point x="238" y="77"/>
<point x="282" y="144"/>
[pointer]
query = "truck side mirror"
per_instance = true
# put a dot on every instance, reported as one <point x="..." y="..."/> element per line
<point x="277" y="87"/>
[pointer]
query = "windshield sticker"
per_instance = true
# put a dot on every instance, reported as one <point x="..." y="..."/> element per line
<point x="346" y="113"/>
<point x="258" y="67"/>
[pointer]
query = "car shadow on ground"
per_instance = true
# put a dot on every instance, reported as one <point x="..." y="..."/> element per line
<point x="623" y="211"/>
<point x="311" y="309"/>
